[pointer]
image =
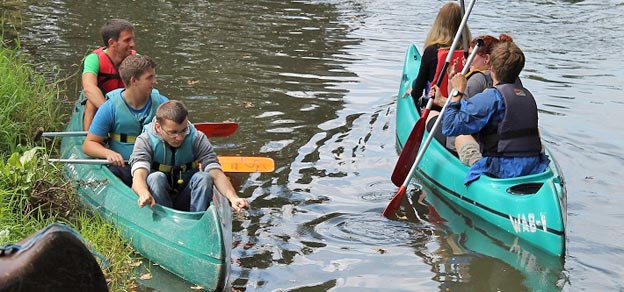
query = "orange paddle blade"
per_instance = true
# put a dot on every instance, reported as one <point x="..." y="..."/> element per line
<point x="246" y="164"/>
<point x="223" y="129"/>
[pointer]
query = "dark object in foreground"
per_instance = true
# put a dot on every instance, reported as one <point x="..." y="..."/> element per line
<point x="53" y="259"/>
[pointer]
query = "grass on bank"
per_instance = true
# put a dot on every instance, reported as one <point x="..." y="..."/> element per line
<point x="34" y="193"/>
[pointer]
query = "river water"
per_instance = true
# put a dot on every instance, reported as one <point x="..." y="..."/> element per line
<point x="313" y="85"/>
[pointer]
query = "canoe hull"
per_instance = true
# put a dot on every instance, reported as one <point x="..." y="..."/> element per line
<point x="193" y="245"/>
<point x="533" y="207"/>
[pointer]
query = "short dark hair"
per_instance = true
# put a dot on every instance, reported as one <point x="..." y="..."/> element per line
<point x="172" y="110"/>
<point x="113" y="28"/>
<point x="507" y="61"/>
<point x="135" y="66"/>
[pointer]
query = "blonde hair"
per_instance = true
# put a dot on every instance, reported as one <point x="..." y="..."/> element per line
<point x="445" y="26"/>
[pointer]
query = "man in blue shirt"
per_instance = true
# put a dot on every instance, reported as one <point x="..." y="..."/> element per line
<point x="503" y="119"/>
<point x="122" y="117"/>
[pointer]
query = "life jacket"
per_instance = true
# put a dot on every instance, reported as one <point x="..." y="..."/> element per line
<point x="127" y="126"/>
<point x="108" y="77"/>
<point x="485" y="73"/>
<point x="178" y="163"/>
<point x="458" y="55"/>
<point x="517" y="134"/>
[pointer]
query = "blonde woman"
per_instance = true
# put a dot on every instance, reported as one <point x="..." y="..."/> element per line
<point x="439" y="39"/>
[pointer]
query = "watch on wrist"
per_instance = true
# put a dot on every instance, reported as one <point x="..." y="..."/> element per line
<point x="458" y="93"/>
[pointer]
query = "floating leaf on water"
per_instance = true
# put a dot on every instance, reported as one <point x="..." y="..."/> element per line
<point x="380" y="250"/>
<point x="147" y="276"/>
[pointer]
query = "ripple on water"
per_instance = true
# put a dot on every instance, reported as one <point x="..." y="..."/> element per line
<point x="368" y="228"/>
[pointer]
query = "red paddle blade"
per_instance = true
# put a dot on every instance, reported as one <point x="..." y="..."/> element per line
<point x="410" y="151"/>
<point x="395" y="203"/>
<point x="223" y="129"/>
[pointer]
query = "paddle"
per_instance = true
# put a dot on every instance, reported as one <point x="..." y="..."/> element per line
<point x="211" y="130"/>
<point x="396" y="200"/>
<point x="228" y="163"/>
<point x="464" y="31"/>
<point x="410" y="149"/>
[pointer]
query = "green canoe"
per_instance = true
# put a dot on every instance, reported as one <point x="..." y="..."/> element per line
<point x="532" y="208"/>
<point x="196" y="246"/>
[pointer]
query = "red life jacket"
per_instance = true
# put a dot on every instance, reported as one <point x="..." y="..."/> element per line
<point x="108" y="76"/>
<point x="442" y="54"/>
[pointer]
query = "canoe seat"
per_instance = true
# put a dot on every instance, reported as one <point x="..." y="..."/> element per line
<point x="525" y="189"/>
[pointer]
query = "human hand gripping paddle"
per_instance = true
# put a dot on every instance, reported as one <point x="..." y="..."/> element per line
<point x="410" y="149"/>
<point x="396" y="200"/>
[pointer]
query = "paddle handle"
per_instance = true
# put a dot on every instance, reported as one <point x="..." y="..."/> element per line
<point x="462" y="5"/>
<point x="222" y="129"/>
<point x="64" y="134"/>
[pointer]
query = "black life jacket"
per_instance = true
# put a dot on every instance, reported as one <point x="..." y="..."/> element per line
<point x="517" y="134"/>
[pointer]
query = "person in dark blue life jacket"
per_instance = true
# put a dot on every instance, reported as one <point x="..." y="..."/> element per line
<point x="503" y="118"/>
<point x="175" y="165"/>
<point x="100" y="69"/>
<point x="121" y="118"/>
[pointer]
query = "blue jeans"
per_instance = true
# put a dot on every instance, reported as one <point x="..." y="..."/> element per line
<point x="195" y="196"/>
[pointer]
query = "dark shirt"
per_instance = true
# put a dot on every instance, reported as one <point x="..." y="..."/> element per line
<point x="426" y="72"/>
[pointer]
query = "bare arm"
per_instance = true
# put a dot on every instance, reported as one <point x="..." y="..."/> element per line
<point x="93" y="146"/>
<point x="223" y="185"/>
<point x="91" y="90"/>
<point x="139" y="186"/>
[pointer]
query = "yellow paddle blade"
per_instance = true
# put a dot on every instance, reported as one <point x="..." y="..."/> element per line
<point x="246" y="164"/>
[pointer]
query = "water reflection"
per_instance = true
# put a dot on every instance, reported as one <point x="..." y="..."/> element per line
<point x="474" y="255"/>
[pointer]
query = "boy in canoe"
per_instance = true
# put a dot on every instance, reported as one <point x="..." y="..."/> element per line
<point x="100" y="74"/>
<point x="503" y="118"/>
<point x="176" y="166"/>
<point x="122" y="117"/>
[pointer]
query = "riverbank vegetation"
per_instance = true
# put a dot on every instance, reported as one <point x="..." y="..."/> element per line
<point x="33" y="193"/>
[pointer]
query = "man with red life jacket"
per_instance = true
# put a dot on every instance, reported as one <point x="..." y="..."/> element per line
<point x="100" y="73"/>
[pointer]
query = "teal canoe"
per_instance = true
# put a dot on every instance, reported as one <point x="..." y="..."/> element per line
<point x="532" y="208"/>
<point x="195" y="246"/>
